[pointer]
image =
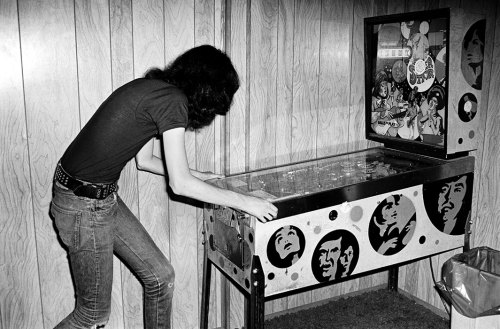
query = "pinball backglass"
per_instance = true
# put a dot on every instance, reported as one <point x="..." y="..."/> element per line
<point x="423" y="80"/>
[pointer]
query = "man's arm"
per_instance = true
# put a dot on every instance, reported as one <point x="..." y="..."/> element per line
<point x="147" y="160"/>
<point x="183" y="181"/>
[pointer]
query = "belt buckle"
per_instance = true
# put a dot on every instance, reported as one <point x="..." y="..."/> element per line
<point x="82" y="190"/>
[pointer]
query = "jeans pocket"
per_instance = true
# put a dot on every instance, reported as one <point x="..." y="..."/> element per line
<point x="106" y="207"/>
<point x="67" y="223"/>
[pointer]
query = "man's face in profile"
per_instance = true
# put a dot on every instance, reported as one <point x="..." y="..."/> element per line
<point x="346" y="259"/>
<point x="329" y="253"/>
<point x="451" y="197"/>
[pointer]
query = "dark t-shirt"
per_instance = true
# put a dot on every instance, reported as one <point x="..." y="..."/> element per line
<point x="128" y="119"/>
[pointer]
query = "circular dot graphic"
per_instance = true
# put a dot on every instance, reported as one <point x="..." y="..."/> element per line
<point x="356" y="213"/>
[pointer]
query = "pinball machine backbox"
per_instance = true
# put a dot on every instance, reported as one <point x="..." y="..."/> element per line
<point x="423" y="80"/>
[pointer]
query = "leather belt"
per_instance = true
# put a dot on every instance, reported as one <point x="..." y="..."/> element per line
<point x="82" y="188"/>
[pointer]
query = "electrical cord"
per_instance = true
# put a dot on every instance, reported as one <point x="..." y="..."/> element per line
<point x="435" y="283"/>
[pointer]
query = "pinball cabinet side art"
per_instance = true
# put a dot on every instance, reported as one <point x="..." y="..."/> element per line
<point x="338" y="217"/>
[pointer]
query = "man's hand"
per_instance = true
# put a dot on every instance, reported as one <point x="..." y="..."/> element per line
<point x="264" y="210"/>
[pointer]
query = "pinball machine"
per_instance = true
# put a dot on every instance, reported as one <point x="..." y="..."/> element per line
<point x="351" y="214"/>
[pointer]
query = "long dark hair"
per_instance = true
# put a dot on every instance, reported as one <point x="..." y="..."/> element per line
<point x="208" y="79"/>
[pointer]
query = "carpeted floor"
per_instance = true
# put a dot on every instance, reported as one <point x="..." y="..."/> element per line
<point x="380" y="309"/>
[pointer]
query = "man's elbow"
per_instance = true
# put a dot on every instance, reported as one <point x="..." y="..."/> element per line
<point x="139" y="163"/>
<point x="179" y="188"/>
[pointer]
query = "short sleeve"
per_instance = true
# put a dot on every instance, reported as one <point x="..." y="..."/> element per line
<point x="167" y="108"/>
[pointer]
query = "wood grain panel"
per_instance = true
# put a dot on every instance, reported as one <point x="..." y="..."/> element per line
<point x="94" y="84"/>
<point x="357" y="141"/>
<point x="237" y="116"/>
<point x="204" y="33"/>
<point x="284" y="82"/>
<point x="486" y="224"/>
<point x="263" y="55"/>
<point x="93" y="56"/>
<point x="395" y="7"/>
<point x="122" y="71"/>
<point x="451" y="3"/>
<point x="51" y="98"/>
<point x="334" y="74"/>
<point x="305" y="79"/>
<point x="418" y="5"/>
<point x="20" y="300"/>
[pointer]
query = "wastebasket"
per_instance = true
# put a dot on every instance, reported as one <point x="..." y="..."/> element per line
<point x="471" y="282"/>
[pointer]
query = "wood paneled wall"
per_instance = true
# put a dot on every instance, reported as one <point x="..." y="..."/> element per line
<point x="302" y="96"/>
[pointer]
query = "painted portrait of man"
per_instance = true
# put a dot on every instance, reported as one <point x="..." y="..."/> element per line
<point x="335" y="256"/>
<point x="448" y="203"/>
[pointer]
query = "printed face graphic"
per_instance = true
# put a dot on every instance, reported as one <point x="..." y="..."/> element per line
<point x="329" y="253"/>
<point x="390" y="211"/>
<point x="335" y="256"/>
<point x="285" y="246"/>
<point x="474" y="49"/>
<point x="287" y="241"/>
<point x="392" y="225"/>
<point x="451" y="197"/>
<point x="382" y="91"/>
<point x="345" y="260"/>
<point x="433" y="103"/>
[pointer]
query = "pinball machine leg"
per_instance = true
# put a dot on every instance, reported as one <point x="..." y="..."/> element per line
<point x="205" y="290"/>
<point x="393" y="278"/>
<point x="255" y="308"/>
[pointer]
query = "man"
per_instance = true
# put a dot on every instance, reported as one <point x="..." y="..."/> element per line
<point x="450" y="201"/>
<point x="91" y="219"/>
<point x="329" y="254"/>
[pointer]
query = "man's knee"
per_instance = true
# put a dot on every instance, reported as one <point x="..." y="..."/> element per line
<point x="167" y="277"/>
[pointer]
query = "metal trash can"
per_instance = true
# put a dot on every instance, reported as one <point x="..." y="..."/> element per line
<point x="471" y="282"/>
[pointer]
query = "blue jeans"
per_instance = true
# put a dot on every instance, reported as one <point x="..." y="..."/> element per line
<point x="92" y="230"/>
